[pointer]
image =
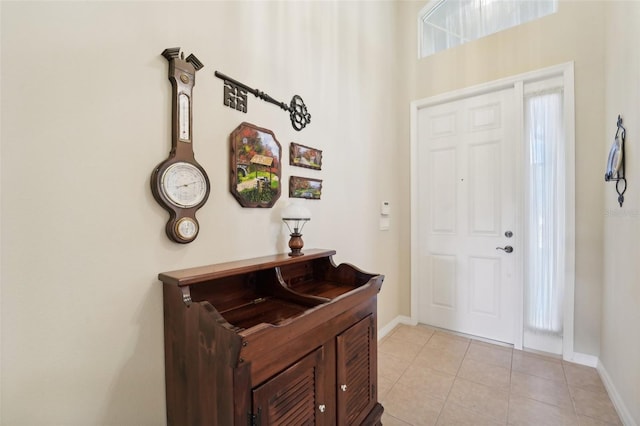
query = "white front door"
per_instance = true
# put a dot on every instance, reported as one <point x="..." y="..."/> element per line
<point x="467" y="208"/>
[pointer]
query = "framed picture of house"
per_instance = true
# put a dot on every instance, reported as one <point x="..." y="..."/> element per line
<point x="255" y="166"/>
<point x="305" y="156"/>
<point x="302" y="187"/>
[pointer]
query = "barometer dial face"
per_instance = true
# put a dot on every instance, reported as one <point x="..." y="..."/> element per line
<point x="184" y="185"/>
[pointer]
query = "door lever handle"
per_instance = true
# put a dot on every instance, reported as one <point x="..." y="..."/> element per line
<point x="507" y="249"/>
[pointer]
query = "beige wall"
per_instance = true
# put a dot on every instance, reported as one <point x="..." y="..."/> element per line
<point x="620" y="353"/>
<point x="575" y="34"/>
<point x="85" y="119"/>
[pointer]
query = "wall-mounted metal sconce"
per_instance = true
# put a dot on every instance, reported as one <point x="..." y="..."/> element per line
<point x="615" y="162"/>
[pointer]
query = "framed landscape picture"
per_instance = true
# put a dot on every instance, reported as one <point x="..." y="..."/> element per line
<point x="305" y="156"/>
<point x="302" y="187"/>
<point x="255" y="166"/>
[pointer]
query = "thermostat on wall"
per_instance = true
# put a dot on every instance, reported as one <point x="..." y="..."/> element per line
<point x="385" y="208"/>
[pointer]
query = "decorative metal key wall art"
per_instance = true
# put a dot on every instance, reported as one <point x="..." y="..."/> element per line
<point x="235" y="96"/>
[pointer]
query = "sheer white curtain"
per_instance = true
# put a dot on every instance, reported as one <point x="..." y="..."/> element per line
<point x="545" y="206"/>
<point x="449" y="23"/>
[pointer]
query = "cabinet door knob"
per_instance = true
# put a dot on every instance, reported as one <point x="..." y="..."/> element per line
<point x="343" y="387"/>
<point x="322" y="408"/>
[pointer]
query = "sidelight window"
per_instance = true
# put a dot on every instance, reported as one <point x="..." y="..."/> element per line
<point x="545" y="207"/>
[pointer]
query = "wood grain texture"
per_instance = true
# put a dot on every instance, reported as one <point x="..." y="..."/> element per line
<point x="271" y="338"/>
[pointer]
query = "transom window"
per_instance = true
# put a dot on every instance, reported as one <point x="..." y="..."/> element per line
<point x="447" y="23"/>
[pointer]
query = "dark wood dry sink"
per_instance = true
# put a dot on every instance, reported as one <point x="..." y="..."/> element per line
<point x="276" y="340"/>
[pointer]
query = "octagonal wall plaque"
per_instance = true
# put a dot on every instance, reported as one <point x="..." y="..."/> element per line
<point x="255" y="166"/>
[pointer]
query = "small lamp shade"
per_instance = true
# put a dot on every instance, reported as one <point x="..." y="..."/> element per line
<point x="295" y="217"/>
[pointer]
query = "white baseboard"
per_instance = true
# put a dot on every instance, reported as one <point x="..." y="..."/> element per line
<point x="542" y="342"/>
<point x="400" y="319"/>
<point x="618" y="403"/>
<point x="583" y="359"/>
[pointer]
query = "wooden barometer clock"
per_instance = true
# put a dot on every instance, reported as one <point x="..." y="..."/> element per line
<point x="179" y="184"/>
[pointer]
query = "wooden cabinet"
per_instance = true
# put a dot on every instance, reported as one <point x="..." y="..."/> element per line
<point x="276" y="340"/>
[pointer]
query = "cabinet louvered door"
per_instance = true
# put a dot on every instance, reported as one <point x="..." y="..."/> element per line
<point x="356" y="372"/>
<point x="293" y="397"/>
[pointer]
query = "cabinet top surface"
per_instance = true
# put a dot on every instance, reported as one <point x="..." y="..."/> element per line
<point x="184" y="277"/>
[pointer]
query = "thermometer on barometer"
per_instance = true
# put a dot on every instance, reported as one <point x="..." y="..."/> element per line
<point x="183" y="118"/>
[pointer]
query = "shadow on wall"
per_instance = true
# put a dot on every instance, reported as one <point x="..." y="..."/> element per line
<point x="136" y="395"/>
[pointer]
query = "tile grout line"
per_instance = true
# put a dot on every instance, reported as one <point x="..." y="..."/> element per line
<point x="416" y="357"/>
<point x="510" y="385"/>
<point x="573" y="401"/>
<point x="454" y="381"/>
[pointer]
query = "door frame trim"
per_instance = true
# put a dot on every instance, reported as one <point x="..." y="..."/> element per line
<point x="566" y="71"/>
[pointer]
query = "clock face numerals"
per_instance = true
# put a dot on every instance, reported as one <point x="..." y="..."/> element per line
<point x="186" y="229"/>
<point x="184" y="185"/>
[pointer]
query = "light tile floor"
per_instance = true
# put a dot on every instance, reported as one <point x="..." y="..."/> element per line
<point x="431" y="377"/>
